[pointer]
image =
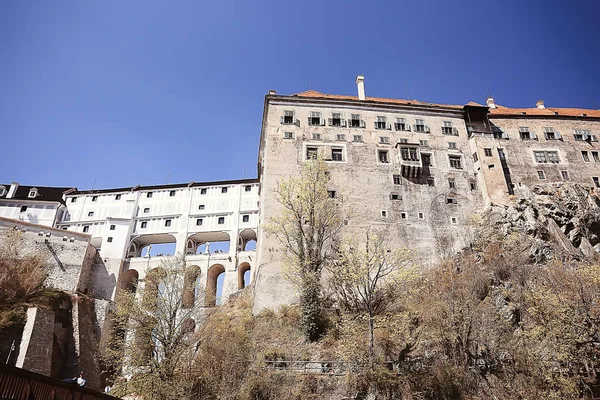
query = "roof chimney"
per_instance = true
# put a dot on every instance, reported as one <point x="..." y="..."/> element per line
<point x="13" y="190"/>
<point x="490" y="102"/>
<point x="540" y="104"/>
<point x="360" y="84"/>
<point x="272" y="92"/>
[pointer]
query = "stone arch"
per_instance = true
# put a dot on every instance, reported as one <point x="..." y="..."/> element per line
<point x="192" y="272"/>
<point x="141" y="242"/>
<point x="188" y="325"/>
<point x="211" y="284"/>
<point x="242" y="269"/>
<point x="150" y="297"/>
<point x="218" y="241"/>
<point x="247" y="236"/>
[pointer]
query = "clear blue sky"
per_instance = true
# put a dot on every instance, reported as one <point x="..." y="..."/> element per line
<point x="125" y="91"/>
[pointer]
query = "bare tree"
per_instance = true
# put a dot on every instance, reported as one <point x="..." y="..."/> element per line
<point x="365" y="277"/>
<point x="157" y="337"/>
<point x="311" y="218"/>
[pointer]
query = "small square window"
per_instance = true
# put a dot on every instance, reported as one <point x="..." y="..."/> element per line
<point x="201" y="207"/>
<point x="541" y="175"/>
<point x="395" y="196"/>
<point x="596" y="181"/>
<point x="146" y="210"/>
<point x="168" y="222"/>
<point x="172" y="193"/>
<point x="248" y="188"/>
<point x="451" y="183"/>
<point x="337" y="155"/>
<point x="245" y="218"/>
<point x="421" y="215"/>
<point x="403" y="141"/>
<point x="203" y="191"/>
<point x="112" y="227"/>
<point x="340" y="138"/>
<point x="311" y="153"/>
<point x="144" y="224"/>
<point x="452" y="145"/>
<point x="430" y="181"/>
<point x="475" y="157"/>
<point x="491" y="166"/>
<point x="357" y="138"/>
<point x="94" y="198"/>
<point x="331" y="194"/>
<point x="23" y="208"/>
<point x="221" y="220"/>
<point x="73" y="199"/>
<point x="384" y="213"/>
<point x="382" y="156"/>
<point x="118" y="197"/>
<point x="149" y="195"/>
<point x="564" y="175"/>
<point x="224" y="189"/>
<point x="90" y="214"/>
<point x="451" y="200"/>
<point x="109" y="239"/>
<point x="384" y="140"/>
<point x="403" y="215"/>
<point x="86" y="228"/>
<point x="199" y="222"/>
<point x="473" y="185"/>
<point x="396" y="179"/>
<point x="316" y="136"/>
<point x="453" y="220"/>
<point x="424" y="143"/>
<point x="288" y="135"/>
<point x="488" y="152"/>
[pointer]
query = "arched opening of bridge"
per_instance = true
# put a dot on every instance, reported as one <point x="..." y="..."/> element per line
<point x="208" y="242"/>
<point x="130" y="280"/>
<point x="243" y="275"/>
<point x="192" y="273"/>
<point x="143" y="335"/>
<point x="155" y="245"/>
<point x="248" y="240"/>
<point x="214" y="285"/>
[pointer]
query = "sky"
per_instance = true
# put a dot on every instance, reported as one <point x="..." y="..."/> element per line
<point x="119" y="93"/>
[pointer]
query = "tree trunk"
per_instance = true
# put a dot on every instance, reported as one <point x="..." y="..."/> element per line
<point x="371" y="339"/>
<point x="310" y="302"/>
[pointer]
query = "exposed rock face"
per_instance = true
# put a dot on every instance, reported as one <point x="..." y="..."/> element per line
<point x="568" y="213"/>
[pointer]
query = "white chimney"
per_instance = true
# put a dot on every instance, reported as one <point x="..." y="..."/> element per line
<point x="272" y="92"/>
<point x="360" y="84"/>
<point x="540" y="104"/>
<point x="13" y="190"/>
<point x="490" y="102"/>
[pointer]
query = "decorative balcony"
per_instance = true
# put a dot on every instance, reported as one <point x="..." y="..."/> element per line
<point x="410" y="160"/>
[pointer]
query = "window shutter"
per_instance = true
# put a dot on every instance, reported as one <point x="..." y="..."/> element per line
<point x="297" y="123"/>
<point x="322" y="120"/>
<point x="407" y="127"/>
<point x="389" y="126"/>
<point x="281" y="120"/>
<point x="363" y="124"/>
<point x="330" y="121"/>
<point x="343" y="122"/>
<point x="309" y="121"/>
<point x="533" y="136"/>
<point x="427" y="129"/>
<point x="375" y="124"/>
<point x="558" y="135"/>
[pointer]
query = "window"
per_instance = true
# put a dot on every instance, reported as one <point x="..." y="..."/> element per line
<point x="73" y="199"/>
<point x="357" y="138"/>
<point x="596" y="181"/>
<point x="453" y="220"/>
<point x="451" y="183"/>
<point x="109" y="239"/>
<point x="581" y="134"/>
<point x="473" y="184"/>
<point x="201" y="207"/>
<point x="340" y="138"/>
<point x="424" y="143"/>
<point x="447" y="129"/>
<point x="488" y="152"/>
<point x="401" y="125"/>
<point x="475" y="158"/>
<point x="336" y="120"/>
<point x="144" y="225"/>
<point x="224" y="189"/>
<point x="356" y="122"/>
<point x="248" y="188"/>
<point x="420" y="125"/>
<point x="430" y="181"/>
<point x="245" y="218"/>
<point x="550" y="134"/>
<point x="382" y="156"/>
<point x="94" y="198"/>
<point x="199" y="222"/>
<point x="288" y="117"/>
<point x="112" y="227"/>
<point x="403" y="215"/>
<point x="452" y="145"/>
<point x="202" y="191"/>
<point x="421" y="215"/>
<point x="455" y="162"/>
<point x="409" y="154"/>
<point x="491" y="166"/>
<point x="595" y="156"/>
<point x="564" y="175"/>
<point x="221" y="220"/>
<point x="541" y="175"/>
<point x="396" y="179"/>
<point x="315" y="119"/>
<point x="146" y="210"/>
<point x="381" y="123"/>
<point x="498" y="133"/>
<point x="316" y="136"/>
<point x="91" y="214"/>
<point x="331" y="194"/>
<point x="403" y="141"/>
<point x="395" y="196"/>
<point x="426" y="157"/>
<point x="384" y="140"/>
<point x="149" y="195"/>
<point x="336" y="155"/>
<point x="172" y="193"/>
<point x="86" y="228"/>
<point x="311" y="153"/>
<point x="288" y="135"/>
<point x="451" y="200"/>
<point x="23" y="208"/>
<point x="525" y="134"/>
<point x="384" y="213"/>
<point x="585" y="155"/>
<point x="168" y="222"/>
<point x="546" y="157"/>
<point x="118" y="197"/>
<point x="33" y="193"/>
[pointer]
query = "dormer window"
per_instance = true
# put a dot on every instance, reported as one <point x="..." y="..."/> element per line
<point x="2" y="190"/>
<point x="33" y="193"/>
